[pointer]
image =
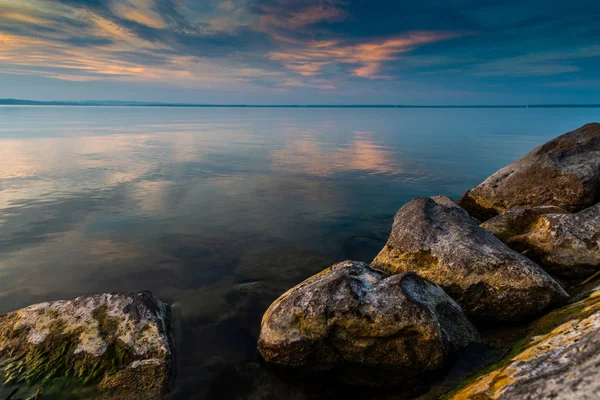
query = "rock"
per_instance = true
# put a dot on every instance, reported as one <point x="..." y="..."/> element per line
<point x="118" y="342"/>
<point x="559" y="359"/>
<point x="565" y="244"/>
<point x="437" y="239"/>
<point x="564" y="172"/>
<point x="517" y="221"/>
<point x="354" y="319"/>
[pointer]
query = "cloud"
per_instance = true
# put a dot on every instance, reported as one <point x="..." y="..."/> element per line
<point x="139" y="11"/>
<point x="592" y="84"/>
<point x="17" y="17"/>
<point x="109" y="50"/>
<point x="538" y="64"/>
<point x="300" y="13"/>
<point x="118" y="40"/>
<point x="366" y="59"/>
<point x="267" y="46"/>
<point x="298" y="83"/>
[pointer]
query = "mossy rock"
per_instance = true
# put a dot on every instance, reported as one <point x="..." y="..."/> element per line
<point x="558" y="358"/>
<point x="119" y="343"/>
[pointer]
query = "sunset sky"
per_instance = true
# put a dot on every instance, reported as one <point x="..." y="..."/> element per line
<point x="301" y="51"/>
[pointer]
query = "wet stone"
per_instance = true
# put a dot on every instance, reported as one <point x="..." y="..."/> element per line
<point x="118" y="343"/>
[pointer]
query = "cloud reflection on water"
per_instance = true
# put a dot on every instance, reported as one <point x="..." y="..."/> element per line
<point x="315" y="157"/>
<point x="96" y="195"/>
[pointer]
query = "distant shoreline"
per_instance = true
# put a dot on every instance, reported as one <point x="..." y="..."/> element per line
<point x="16" y="102"/>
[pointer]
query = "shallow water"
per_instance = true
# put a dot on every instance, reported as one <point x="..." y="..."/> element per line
<point x="220" y="210"/>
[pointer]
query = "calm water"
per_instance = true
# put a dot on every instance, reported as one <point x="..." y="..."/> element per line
<point x="221" y="210"/>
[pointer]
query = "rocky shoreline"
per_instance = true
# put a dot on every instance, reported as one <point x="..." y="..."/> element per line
<point x="510" y="269"/>
<point x="515" y="248"/>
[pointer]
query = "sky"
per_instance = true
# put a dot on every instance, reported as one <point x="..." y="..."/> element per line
<point x="422" y="52"/>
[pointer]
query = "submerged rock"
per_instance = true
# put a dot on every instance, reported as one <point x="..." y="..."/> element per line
<point x="249" y="381"/>
<point x="564" y="172"/>
<point x="286" y="265"/>
<point x="118" y="342"/>
<point x="356" y="320"/>
<point x="559" y="359"/>
<point x="437" y="239"/>
<point x="566" y="244"/>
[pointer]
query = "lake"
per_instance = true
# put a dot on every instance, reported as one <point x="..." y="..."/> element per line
<point x="220" y="210"/>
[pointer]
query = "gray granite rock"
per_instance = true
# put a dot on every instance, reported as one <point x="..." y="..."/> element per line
<point x="437" y="239"/>
<point x="564" y="172"/>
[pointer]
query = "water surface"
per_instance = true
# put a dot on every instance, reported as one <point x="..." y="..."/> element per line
<point x="220" y="210"/>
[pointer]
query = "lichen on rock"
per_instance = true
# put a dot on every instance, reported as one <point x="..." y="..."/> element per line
<point x="352" y="319"/>
<point x="559" y="358"/>
<point x="517" y="221"/>
<point x="565" y="244"/>
<point x="437" y="239"/>
<point x="90" y="340"/>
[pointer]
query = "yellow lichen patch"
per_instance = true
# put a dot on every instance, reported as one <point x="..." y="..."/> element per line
<point x="471" y="201"/>
<point x="484" y="202"/>
<point x="479" y="388"/>
<point x="551" y="337"/>
<point x="394" y="263"/>
<point x="594" y="296"/>
<point x="487" y="387"/>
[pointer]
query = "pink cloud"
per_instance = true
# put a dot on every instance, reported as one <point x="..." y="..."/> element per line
<point x="284" y="23"/>
<point x="367" y="59"/>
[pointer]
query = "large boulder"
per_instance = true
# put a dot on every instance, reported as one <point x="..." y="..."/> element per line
<point x="567" y="245"/>
<point x="437" y="239"/>
<point x="120" y="343"/>
<point x="558" y="359"/>
<point x="353" y="319"/>
<point x="564" y="172"/>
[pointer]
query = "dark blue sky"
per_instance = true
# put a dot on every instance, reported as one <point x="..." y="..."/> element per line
<point x="301" y="51"/>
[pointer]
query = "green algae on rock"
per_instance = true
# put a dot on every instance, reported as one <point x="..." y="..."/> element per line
<point x="437" y="239"/>
<point x="559" y="358"/>
<point x="565" y="244"/>
<point x="118" y="342"/>
<point x="352" y="319"/>
<point x="564" y="172"/>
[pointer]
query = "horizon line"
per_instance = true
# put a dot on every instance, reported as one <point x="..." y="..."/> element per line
<point x="124" y="103"/>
